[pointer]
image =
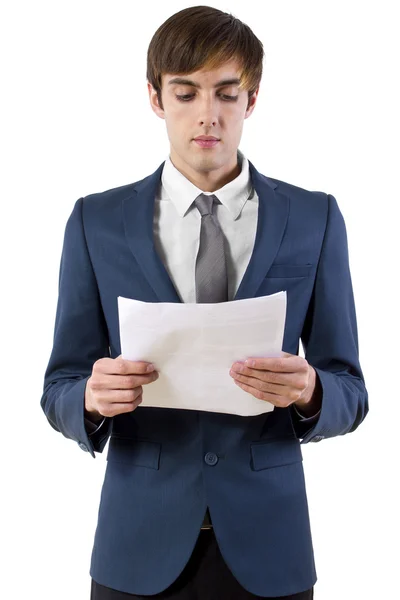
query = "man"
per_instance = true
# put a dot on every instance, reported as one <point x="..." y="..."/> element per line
<point x="197" y="504"/>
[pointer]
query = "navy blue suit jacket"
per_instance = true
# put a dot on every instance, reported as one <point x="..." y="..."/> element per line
<point x="164" y="466"/>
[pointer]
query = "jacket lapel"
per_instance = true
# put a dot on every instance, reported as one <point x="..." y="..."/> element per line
<point x="138" y="210"/>
<point x="273" y="212"/>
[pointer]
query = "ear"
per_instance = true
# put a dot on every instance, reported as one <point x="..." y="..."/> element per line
<point x="251" y="103"/>
<point x="154" y="101"/>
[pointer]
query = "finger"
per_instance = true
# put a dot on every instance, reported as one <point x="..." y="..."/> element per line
<point x="106" y="397"/>
<point x="270" y="376"/>
<point x="119" y="409"/>
<point x="275" y="399"/>
<point x="120" y="366"/>
<point x="265" y="386"/>
<point x="111" y="410"/>
<point x="121" y="382"/>
<point x="290" y="364"/>
<point x="261" y="395"/>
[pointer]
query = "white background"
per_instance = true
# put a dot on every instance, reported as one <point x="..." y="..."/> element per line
<point x="76" y="119"/>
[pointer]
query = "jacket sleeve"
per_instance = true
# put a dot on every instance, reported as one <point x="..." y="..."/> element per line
<point x="330" y="339"/>
<point x="80" y="339"/>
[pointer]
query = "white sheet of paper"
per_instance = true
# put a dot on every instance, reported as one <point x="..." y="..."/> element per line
<point x="193" y="347"/>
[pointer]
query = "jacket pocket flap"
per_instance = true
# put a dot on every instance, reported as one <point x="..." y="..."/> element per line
<point x="275" y="453"/>
<point x="135" y="452"/>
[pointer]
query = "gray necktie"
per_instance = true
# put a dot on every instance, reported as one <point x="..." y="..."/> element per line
<point x="211" y="272"/>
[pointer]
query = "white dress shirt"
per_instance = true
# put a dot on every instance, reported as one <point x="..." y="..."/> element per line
<point x="176" y="228"/>
<point x="177" y="223"/>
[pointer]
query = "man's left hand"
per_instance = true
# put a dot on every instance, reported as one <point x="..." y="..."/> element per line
<point x="281" y="381"/>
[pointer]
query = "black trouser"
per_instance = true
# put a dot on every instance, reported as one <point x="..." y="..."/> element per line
<point x="205" y="577"/>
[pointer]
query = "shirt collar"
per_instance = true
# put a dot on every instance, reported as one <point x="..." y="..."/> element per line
<point x="182" y="192"/>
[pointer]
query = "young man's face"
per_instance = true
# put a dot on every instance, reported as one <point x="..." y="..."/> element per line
<point x="204" y="110"/>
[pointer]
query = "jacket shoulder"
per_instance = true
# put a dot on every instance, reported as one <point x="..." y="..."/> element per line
<point x="111" y="195"/>
<point x="293" y="190"/>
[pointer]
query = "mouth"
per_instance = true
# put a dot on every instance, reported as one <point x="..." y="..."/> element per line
<point x="206" y="143"/>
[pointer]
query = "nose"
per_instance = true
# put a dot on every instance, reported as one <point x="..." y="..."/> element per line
<point x="207" y="123"/>
<point x="208" y="113"/>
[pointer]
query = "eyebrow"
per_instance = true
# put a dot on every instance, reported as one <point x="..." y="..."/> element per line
<point x="183" y="81"/>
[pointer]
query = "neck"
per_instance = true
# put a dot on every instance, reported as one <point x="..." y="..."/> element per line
<point x="209" y="180"/>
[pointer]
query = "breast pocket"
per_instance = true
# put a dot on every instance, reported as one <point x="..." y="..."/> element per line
<point x="289" y="271"/>
<point x="141" y="453"/>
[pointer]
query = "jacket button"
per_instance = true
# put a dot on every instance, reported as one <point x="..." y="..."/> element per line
<point x="83" y="446"/>
<point x="318" y="438"/>
<point x="211" y="458"/>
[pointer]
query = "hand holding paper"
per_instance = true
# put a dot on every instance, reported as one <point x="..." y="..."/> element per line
<point x="282" y="381"/>
<point x="193" y="347"/>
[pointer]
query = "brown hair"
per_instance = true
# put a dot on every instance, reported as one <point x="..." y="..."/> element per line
<point x="204" y="37"/>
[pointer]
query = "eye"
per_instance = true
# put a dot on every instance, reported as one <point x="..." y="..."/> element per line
<point x="188" y="97"/>
<point x="184" y="98"/>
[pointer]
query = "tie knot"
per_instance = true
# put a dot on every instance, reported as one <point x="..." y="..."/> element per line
<point x="205" y="204"/>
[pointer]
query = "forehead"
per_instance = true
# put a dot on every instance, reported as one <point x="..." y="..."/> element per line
<point x="226" y="74"/>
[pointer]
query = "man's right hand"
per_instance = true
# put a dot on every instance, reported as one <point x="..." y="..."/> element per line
<point x="115" y="387"/>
